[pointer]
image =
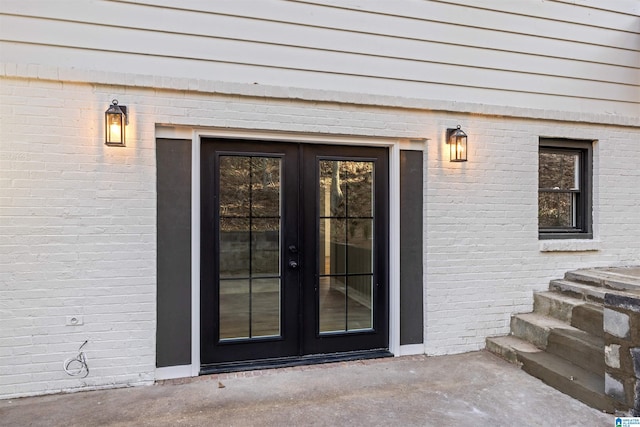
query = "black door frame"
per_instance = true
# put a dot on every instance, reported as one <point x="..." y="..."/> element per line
<point x="312" y="347"/>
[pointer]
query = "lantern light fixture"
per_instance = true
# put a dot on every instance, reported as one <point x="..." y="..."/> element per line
<point x="115" y="120"/>
<point x="457" y="141"/>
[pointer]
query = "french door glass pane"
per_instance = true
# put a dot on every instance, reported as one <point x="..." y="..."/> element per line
<point x="235" y="247"/>
<point x="235" y="309"/>
<point x="265" y="307"/>
<point x="333" y="243"/>
<point x="265" y="247"/>
<point x="249" y="247"/>
<point x="333" y="304"/>
<point x="360" y="302"/>
<point x="346" y="223"/>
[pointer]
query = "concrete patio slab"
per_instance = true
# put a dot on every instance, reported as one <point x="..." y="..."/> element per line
<point x="476" y="389"/>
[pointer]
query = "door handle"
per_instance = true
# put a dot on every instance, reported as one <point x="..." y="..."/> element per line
<point x="293" y="265"/>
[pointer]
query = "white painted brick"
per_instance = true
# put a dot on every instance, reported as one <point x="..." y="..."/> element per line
<point x="77" y="223"/>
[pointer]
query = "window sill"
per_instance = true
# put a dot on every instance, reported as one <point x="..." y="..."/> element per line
<point x="569" y="245"/>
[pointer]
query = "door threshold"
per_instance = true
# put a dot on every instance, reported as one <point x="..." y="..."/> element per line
<point x="285" y="362"/>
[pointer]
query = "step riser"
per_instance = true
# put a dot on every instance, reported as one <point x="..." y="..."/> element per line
<point x="588" y="318"/>
<point x="547" y="306"/>
<point x="529" y="332"/>
<point x="576" y="312"/>
<point x="568" y="386"/>
<point x="506" y="353"/>
<point x="582" y="278"/>
<point x="580" y="354"/>
<point x="586" y="293"/>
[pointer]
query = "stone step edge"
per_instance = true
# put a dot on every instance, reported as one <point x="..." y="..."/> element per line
<point x="586" y="292"/>
<point x="603" y="279"/>
<point x="507" y="347"/>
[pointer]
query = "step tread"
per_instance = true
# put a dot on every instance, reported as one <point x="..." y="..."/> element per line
<point x="514" y="343"/>
<point x="508" y="346"/>
<point x="587" y="291"/>
<point x="544" y="321"/>
<point x="555" y="304"/>
<point x="585" y="338"/>
<point x="558" y="296"/>
<point x="594" y="292"/>
<point x="606" y="279"/>
<point x="567" y="378"/>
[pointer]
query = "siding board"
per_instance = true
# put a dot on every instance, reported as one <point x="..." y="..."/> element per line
<point x="260" y="32"/>
<point x="629" y="7"/>
<point x="488" y="20"/>
<point x="562" y="12"/>
<point x="87" y="36"/>
<point x="463" y="50"/>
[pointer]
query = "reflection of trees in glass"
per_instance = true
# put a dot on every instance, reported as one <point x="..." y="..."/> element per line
<point x="250" y="187"/>
<point x="349" y="185"/>
<point x="558" y="188"/>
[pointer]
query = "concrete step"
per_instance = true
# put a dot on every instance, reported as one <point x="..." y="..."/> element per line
<point x="578" y="347"/>
<point x="609" y="278"/>
<point x="507" y="347"/>
<point x="535" y="328"/>
<point x="568" y="378"/>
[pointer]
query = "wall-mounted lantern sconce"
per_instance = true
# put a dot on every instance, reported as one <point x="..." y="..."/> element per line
<point x="115" y="120"/>
<point x="457" y="141"/>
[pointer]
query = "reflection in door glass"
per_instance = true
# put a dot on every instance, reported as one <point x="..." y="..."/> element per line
<point x="346" y="245"/>
<point x="249" y="247"/>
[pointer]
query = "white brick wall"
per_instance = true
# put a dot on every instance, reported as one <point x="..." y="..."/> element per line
<point x="77" y="218"/>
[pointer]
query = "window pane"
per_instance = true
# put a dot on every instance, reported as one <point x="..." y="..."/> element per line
<point x="235" y="309"/>
<point x="265" y="307"/>
<point x="556" y="210"/>
<point x="333" y="246"/>
<point x="234" y="247"/>
<point x="360" y="246"/>
<point x="234" y="186"/>
<point x="265" y="247"/>
<point x="333" y="304"/>
<point x="265" y="187"/>
<point x="359" y="189"/>
<point x="558" y="171"/>
<point x="332" y="189"/>
<point x="359" y="302"/>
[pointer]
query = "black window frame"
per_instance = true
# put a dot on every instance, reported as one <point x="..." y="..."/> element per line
<point x="583" y="228"/>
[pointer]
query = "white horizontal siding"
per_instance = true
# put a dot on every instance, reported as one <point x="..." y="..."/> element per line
<point x="574" y="12"/>
<point x="464" y="50"/>
<point x="507" y="17"/>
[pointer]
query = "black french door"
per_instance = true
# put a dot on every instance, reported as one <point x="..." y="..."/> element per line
<point x="294" y="252"/>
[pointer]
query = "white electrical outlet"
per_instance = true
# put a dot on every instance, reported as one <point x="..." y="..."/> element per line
<point x="74" y="320"/>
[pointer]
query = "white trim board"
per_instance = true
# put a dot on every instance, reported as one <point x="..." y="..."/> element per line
<point x="171" y="372"/>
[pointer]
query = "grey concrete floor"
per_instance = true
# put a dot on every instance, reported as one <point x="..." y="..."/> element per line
<point x="473" y="389"/>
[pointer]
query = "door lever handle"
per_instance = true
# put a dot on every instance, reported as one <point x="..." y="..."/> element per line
<point x="293" y="265"/>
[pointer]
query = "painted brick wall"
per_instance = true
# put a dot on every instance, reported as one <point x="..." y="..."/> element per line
<point x="483" y="256"/>
<point x="77" y="218"/>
